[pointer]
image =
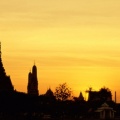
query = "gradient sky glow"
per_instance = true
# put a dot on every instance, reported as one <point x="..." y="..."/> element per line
<point x="72" y="41"/>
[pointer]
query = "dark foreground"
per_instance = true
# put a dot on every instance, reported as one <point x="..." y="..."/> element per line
<point x="25" y="116"/>
<point x="19" y="106"/>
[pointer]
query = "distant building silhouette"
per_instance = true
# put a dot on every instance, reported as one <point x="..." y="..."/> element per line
<point x="32" y="87"/>
<point x="49" y="93"/>
<point x="81" y="96"/>
<point x="5" y="81"/>
<point x="103" y="94"/>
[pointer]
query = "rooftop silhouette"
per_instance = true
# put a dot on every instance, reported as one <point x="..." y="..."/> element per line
<point x="14" y="104"/>
<point x="5" y="81"/>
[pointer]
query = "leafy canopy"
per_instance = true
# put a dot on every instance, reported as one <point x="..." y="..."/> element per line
<point x="63" y="92"/>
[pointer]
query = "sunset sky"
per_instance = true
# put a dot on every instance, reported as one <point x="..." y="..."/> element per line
<point x="72" y="41"/>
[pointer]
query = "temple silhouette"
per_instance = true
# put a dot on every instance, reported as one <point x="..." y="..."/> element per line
<point x="5" y="81"/>
<point x="16" y="105"/>
<point x="32" y="87"/>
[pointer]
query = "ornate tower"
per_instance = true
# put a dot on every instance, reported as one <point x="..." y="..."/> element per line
<point x="5" y="81"/>
<point x="32" y="87"/>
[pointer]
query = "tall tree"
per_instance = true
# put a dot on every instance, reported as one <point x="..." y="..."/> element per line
<point x="63" y="92"/>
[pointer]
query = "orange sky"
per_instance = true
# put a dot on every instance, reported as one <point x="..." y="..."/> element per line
<point x="72" y="41"/>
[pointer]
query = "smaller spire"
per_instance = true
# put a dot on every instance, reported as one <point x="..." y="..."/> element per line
<point x="81" y="96"/>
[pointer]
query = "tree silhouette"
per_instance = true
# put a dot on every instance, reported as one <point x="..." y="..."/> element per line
<point x="105" y="94"/>
<point x="62" y="92"/>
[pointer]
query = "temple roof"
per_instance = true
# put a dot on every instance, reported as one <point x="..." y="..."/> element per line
<point x="5" y="81"/>
<point x="2" y="70"/>
<point x="104" y="106"/>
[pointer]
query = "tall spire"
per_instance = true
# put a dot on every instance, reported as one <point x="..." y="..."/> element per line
<point x="33" y="82"/>
<point x="5" y="81"/>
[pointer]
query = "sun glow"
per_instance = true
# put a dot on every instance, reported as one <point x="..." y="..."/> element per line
<point x="76" y="42"/>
